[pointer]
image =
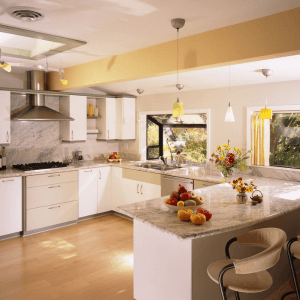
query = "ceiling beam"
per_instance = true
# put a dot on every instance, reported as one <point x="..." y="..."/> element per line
<point x="264" y="38"/>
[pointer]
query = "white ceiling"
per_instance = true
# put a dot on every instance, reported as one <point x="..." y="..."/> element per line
<point x="111" y="27"/>
<point x="284" y="69"/>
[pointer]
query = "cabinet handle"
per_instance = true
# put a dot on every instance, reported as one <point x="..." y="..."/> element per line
<point x="108" y="134"/>
<point x="99" y="174"/>
<point x="7" y="136"/>
<point x="53" y="187"/>
<point x="8" y="180"/>
<point x="137" y="188"/>
<point x="53" y="207"/>
<point x="72" y="134"/>
<point x="54" y="175"/>
<point x="142" y="189"/>
<point x="89" y="171"/>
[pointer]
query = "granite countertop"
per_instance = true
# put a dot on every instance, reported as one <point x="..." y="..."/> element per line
<point x="280" y="197"/>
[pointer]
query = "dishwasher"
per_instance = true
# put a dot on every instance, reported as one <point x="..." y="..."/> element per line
<point x="171" y="183"/>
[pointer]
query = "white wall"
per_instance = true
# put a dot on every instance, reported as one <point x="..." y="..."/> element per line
<point x="279" y="93"/>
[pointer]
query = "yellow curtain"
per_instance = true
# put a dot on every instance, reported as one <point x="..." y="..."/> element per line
<point x="260" y="140"/>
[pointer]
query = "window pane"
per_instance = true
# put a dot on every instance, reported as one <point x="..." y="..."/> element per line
<point x="152" y="134"/>
<point x="191" y="142"/>
<point x="153" y="153"/>
<point x="285" y="140"/>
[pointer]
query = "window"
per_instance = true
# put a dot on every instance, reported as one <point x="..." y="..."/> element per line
<point x="165" y="138"/>
<point x="285" y="139"/>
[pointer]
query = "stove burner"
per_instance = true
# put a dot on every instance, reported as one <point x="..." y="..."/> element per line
<point x="40" y="166"/>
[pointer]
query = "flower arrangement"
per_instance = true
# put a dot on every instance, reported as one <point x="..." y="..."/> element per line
<point x="226" y="160"/>
<point x="242" y="187"/>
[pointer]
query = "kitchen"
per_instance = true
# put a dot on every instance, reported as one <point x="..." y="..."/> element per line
<point x="96" y="192"/>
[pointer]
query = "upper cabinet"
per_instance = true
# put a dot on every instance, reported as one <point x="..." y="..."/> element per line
<point x="117" y="118"/>
<point x="107" y="121"/>
<point x="125" y="118"/>
<point x="4" y="117"/>
<point x="76" y="108"/>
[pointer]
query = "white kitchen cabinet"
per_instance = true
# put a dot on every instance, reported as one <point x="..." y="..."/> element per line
<point x="125" y="118"/>
<point x="131" y="191"/>
<point x="104" y="189"/>
<point x="10" y="205"/>
<point x="199" y="184"/>
<point x="149" y="191"/>
<point x="4" y="117"/>
<point x="88" y="186"/>
<point x="106" y="124"/>
<point x="76" y="108"/>
<point x="117" y="192"/>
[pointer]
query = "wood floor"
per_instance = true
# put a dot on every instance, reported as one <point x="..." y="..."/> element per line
<point x="90" y="260"/>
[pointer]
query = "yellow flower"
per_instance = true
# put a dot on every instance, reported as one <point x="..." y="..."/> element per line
<point x="212" y="152"/>
<point x="242" y="183"/>
<point x="223" y="150"/>
<point x="219" y="148"/>
<point x="223" y="180"/>
<point x="239" y="150"/>
<point x="228" y="148"/>
<point x="229" y="181"/>
<point x="238" y="188"/>
<point x="224" y="145"/>
<point x="222" y="157"/>
<point x="235" y="148"/>
<point x="250" y="189"/>
<point x="251" y="181"/>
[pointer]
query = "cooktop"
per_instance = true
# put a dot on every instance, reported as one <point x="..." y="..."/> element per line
<point x="40" y="166"/>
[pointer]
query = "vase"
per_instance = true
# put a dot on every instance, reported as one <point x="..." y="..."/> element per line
<point x="227" y="172"/>
<point x="241" y="198"/>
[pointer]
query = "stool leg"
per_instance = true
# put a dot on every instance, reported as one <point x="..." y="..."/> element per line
<point x="223" y="292"/>
<point x="237" y="295"/>
<point x="288" y="293"/>
<point x="294" y="274"/>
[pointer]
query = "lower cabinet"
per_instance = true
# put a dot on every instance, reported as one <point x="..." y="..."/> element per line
<point x="10" y="205"/>
<point x="199" y="184"/>
<point x="104" y="189"/>
<point x="88" y="185"/>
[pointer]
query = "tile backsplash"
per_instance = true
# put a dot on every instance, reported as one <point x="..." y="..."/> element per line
<point x="41" y="141"/>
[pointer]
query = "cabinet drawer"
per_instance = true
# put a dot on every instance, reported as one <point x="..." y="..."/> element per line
<point x="147" y="177"/>
<point x="51" y="194"/>
<point x="53" y="178"/>
<point x="51" y="215"/>
<point x="198" y="184"/>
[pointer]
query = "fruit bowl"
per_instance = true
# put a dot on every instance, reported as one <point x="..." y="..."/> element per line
<point x="114" y="160"/>
<point x="177" y="208"/>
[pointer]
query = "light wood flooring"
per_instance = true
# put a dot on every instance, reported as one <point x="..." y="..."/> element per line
<point x="90" y="260"/>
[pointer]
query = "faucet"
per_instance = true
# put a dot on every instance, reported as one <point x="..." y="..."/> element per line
<point x="164" y="160"/>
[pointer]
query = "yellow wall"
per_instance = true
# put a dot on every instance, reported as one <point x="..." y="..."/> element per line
<point x="269" y="37"/>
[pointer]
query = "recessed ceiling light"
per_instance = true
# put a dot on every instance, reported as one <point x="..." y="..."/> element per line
<point x="27" y="14"/>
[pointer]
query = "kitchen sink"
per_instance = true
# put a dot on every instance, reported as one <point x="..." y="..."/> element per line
<point x="157" y="167"/>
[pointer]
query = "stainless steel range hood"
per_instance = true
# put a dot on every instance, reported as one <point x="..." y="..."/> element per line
<point x="37" y="111"/>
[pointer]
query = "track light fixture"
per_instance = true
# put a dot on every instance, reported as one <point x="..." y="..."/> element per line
<point x="5" y="66"/>
<point x="62" y="79"/>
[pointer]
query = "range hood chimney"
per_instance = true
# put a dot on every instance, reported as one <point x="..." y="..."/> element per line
<point x="37" y="111"/>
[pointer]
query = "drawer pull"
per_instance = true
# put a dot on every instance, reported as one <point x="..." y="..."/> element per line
<point x="142" y="189"/>
<point x="8" y="180"/>
<point x="7" y="136"/>
<point x="54" y="175"/>
<point x="53" y="207"/>
<point x="89" y="171"/>
<point x="52" y="187"/>
<point x="99" y="174"/>
<point x="137" y="188"/>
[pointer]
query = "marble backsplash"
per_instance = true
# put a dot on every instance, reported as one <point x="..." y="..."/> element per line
<point x="41" y="141"/>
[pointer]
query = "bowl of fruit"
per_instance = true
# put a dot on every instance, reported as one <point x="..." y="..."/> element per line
<point x="183" y="199"/>
<point x="113" y="157"/>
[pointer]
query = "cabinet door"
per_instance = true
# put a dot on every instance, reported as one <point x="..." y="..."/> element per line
<point x="110" y="119"/>
<point x="4" y="117"/>
<point x="149" y="191"/>
<point x="10" y="205"/>
<point x="131" y="191"/>
<point x="88" y="204"/>
<point x="78" y="111"/>
<point x="104" y="189"/>
<point x="128" y="121"/>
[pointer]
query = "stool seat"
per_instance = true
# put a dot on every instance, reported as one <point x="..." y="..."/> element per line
<point x="247" y="283"/>
<point x="295" y="249"/>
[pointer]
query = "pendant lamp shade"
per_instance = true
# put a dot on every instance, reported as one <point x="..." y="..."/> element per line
<point x="177" y="109"/>
<point x="229" y="114"/>
<point x="266" y="113"/>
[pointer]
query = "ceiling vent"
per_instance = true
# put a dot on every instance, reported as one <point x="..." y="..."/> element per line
<point x="27" y="14"/>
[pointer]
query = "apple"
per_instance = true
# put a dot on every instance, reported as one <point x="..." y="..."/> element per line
<point x="112" y="157"/>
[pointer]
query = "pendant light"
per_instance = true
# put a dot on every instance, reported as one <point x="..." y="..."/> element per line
<point x="5" y="66"/>
<point x="140" y="91"/>
<point x="178" y="106"/>
<point x="62" y="79"/>
<point x="229" y="114"/>
<point x="266" y="113"/>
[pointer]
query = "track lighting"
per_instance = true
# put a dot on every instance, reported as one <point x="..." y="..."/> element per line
<point x="4" y="65"/>
<point x="62" y="79"/>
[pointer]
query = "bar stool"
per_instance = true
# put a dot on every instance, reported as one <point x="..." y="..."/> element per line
<point x="292" y="247"/>
<point x="249" y="275"/>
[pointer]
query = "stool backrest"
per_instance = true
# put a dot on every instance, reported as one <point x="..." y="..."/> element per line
<point x="271" y="239"/>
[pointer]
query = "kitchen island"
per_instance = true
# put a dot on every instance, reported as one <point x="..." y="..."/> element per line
<point x="171" y="256"/>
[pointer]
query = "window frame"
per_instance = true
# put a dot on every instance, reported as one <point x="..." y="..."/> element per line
<point x="161" y="132"/>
